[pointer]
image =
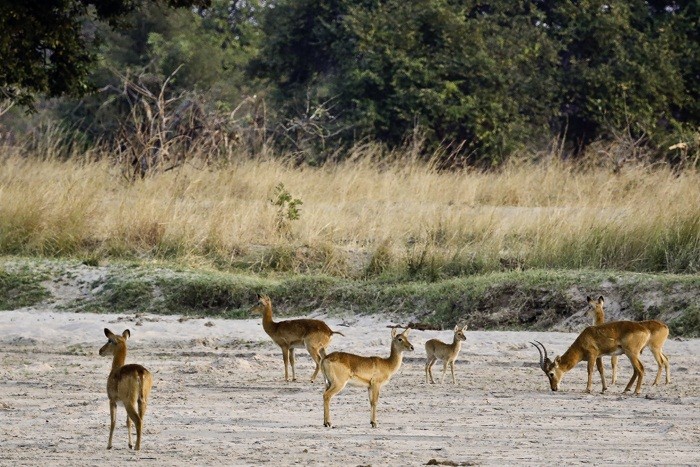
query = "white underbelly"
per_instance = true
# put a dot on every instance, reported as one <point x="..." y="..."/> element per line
<point x="359" y="383"/>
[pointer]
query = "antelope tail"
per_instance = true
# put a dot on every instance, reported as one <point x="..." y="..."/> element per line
<point x="142" y="396"/>
<point x="322" y="352"/>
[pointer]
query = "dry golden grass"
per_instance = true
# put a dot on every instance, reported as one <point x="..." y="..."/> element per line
<point x="404" y="216"/>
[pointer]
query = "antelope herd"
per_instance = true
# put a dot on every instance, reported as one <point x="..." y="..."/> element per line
<point x="131" y="384"/>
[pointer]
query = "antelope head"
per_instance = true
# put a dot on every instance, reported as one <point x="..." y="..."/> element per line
<point x="263" y="302"/>
<point x="459" y="332"/>
<point x="596" y="304"/>
<point x="550" y="368"/>
<point x="113" y="340"/>
<point x="400" y="340"/>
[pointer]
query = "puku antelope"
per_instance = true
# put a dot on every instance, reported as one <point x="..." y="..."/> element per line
<point x="128" y="384"/>
<point x="599" y="318"/>
<point x="659" y="334"/>
<point x="435" y="349"/>
<point x="341" y="368"/>
<point x="313" y="334"/>
<point x="614" y="338"/>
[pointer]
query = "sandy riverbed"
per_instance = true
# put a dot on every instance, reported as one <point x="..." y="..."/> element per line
<point x="220" y="398"/>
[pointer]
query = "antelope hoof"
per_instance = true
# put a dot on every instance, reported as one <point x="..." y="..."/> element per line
<point x="131" y="447"/>
<point x="327" y="424"/>
<point x="374" y="424"/>
<point x="109" y="447"/>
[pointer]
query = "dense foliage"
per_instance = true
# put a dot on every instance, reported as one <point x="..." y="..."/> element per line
<point x="482" y="79"/>
<point x="49" y="47"/>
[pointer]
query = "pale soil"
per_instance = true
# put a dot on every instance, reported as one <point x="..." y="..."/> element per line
<point x="219" y="398"/>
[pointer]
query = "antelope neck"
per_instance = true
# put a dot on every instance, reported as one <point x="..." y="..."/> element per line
<point x="570" y="358"/>
<point x="599" y="316"/>
<point x="395" y="357"/>
<point x="268" y="324"/>
<point x="119" y="357"/>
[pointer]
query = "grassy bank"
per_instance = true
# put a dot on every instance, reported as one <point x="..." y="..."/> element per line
<point x="531" y="299"/>
<point x="359" y="219"/>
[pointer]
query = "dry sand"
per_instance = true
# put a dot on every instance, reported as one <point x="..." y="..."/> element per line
<point x="220" y="398"/>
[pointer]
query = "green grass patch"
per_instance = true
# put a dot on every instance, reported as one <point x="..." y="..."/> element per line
<point x="517" y="299"/>
<point x="20" y="289"/>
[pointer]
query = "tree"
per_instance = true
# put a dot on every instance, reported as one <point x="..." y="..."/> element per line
<point x="473" y="75"/>
<point x="619" y="67"/>
<point x="49" y="47"/>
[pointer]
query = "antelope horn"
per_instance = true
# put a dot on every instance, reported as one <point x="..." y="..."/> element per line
<point x="542" y="357"/>
<point x="545" y="350"/>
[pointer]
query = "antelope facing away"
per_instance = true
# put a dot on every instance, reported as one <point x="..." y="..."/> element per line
<point x="614" y="338"/>
<point x="435" y="349"/>
<point x="341" y="368"/>
<point x="313" y="334"/>
<point x="128" y="384"/>
<point x="599" y="318"/>
<point x="659" y="334"/>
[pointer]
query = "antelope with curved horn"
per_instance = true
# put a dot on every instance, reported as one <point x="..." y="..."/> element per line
<point x="614" y="338"/>
<point x="128" y="384"/>
<point x="341" y="368"/>
<point x="435" y="349"/>
<point x="313" y="334"/>
<point x="659" y="333"/>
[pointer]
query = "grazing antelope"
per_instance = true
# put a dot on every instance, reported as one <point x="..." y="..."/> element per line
<point x="436" y="349"/>
<point x="313" y="334"/>
<point x="659" y="334"/>
<point x="128" y="384"/>
<point x="614" y="338"/>
<point x="341" y="368"/>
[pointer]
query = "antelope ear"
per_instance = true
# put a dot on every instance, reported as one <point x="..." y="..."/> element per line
<point x="601" y="300"/>
<point x="393" y="333"/>
<point x="457" y="329"/>
<point x="464" y="328"/>
<point x="126" y="334"/>
<point x="405" y="333"/>
<point x="557" y="359"/>
<point x="108" y="333"/>
<point x="589" y="300"/>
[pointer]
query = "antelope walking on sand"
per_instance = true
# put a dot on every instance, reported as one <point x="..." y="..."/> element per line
<point x="341" y="368"/>
<point x="435" y="349"/>
<point x="659" y="334"/>
<point x="313" y="334"/>
<point x="614" y="338"/>
<point x="128" y="384"/>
